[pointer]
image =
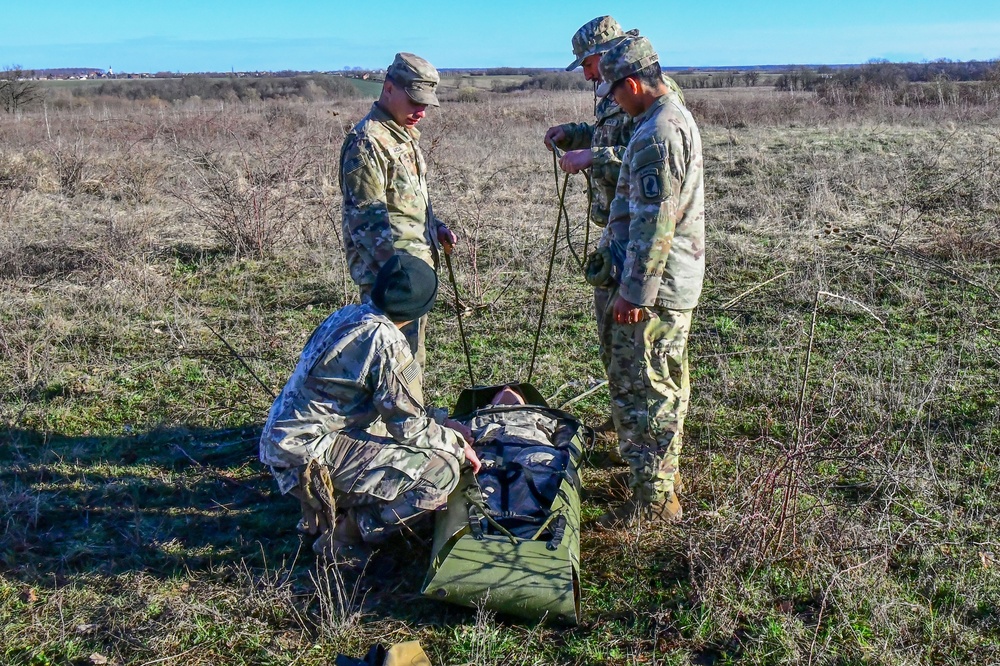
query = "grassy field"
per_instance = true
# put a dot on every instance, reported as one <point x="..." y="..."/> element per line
<point x="841" y="462"/>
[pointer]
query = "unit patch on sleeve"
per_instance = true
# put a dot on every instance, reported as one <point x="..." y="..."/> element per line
<point x="410" y="372"/>
<point x="650" y="182"/>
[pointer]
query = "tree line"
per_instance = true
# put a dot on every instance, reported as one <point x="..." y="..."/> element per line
<point x="310" y="88"/>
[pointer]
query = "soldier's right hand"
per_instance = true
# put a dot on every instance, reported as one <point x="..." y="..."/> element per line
<point x="472" y="459"/>
<point x="554" y="136"/>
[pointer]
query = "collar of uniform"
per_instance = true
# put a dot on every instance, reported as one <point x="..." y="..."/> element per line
<point x="660" y="101"/>
<point x="379" y="114"/>
<point x="607" y="107"/>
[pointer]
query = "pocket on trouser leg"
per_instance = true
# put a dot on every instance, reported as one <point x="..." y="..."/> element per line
<point x="667" y="390"/>
<point x="393" y="470"/>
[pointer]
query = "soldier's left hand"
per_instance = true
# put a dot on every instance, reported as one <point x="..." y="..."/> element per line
<point x="626" y="313"/>
<point x="576" y="161"/>
<point x="447" y="238"/>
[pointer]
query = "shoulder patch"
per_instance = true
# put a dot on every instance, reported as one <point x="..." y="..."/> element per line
<point x="650" y="182"/>
<point x="410" y="371"/>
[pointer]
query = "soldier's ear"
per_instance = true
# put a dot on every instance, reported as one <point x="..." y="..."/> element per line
<point x="633" y="83"/>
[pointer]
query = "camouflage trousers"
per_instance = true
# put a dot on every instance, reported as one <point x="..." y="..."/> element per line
<point x="650" y="388"/>
<point x="415" y="332"/>
<point x="384" y="484"/>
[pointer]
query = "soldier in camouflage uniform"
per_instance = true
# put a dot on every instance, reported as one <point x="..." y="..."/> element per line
<point x="349" y="435"/>
<point x="383" y="178"/>
<point x="598" y="146"/>
<point x="658" y="214"/>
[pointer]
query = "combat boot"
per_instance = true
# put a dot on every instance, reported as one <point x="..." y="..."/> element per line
<point x="344" y="544"/>
<point x="666" y="510"/>
<point x="626" y="514"/>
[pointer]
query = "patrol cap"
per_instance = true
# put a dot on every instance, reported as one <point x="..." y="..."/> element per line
<point x="418" y="77"/>
<point x="594" y="37"/>
<point x="405" y="288"/>
<point x="625" y="58"/>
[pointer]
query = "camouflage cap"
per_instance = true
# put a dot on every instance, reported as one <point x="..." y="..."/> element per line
<point x="417" y="76"/>
<point x="596" y="36"/>
<point x="624" y="59"/>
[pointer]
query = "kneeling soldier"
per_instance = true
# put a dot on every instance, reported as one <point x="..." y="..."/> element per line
<point x="349" y="435"/>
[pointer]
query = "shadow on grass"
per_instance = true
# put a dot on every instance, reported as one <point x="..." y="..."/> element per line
<point x="171" y="503"/>
<point x="160" y="502"/>
<point x="184" y="502"/>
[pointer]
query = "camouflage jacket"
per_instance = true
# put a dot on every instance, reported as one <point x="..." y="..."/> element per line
<point x="386" y="207"/>
<point x="659" y="209"/>
<point x="356" y="371"/>
<point x="606" y="138"/>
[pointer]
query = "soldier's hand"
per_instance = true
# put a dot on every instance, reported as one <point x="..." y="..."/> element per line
<point x="461" y="429"/>
<point x="447" y="238"/>
<point x="472" y="459"/>
<point x="576" y="161"/>
<point x="553" y="136"/>
<point x="626" y="313"/>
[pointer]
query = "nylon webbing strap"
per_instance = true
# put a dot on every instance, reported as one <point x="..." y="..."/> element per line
<point x="552" y="260"/>
<point x="458" y="314"/>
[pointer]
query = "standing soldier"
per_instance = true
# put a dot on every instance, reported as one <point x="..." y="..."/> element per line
<point x="658" y="215"/>
<point x="599" y="147"/>
<point x="383" y="178"/>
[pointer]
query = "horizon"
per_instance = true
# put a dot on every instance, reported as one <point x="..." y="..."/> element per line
<point x="447" y="70"/>
<point x="223" y="36"/>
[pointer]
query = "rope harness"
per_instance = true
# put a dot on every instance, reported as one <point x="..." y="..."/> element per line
<point x="561" y="215"/>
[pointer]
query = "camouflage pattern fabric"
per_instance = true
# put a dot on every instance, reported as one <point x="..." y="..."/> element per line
<point x="659" y="209"/>
<point x="386" y="485"/>
<point x="415" y="332"/>
<point x="357" y="381"/>
<point x="650" y="390"/>
<point x="627" y="57"/>
<point x="526" y="426"/>
<point x="594" y="37"/>
<point x="418" y="77"/>
<point x="606" y="138"/>
<point x="386" y="206"/>
<point x="659" y="215"/>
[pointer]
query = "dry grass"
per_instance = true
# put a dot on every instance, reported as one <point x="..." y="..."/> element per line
<point x="841" y="456"/>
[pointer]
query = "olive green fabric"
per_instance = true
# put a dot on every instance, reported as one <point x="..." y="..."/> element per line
<point x="530" y="578"/>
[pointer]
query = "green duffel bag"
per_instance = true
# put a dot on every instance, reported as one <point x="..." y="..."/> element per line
<point x="509" y="539"/>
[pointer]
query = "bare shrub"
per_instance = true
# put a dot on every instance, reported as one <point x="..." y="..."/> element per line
<point x="250" y="195"/>
<point x="71" y="164"/>
<point x="133" y="176"/>
<point x="15" y="179"/>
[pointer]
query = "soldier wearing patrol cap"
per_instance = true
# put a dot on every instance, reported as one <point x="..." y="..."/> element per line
<point x="598" y="146"/>
<point x="658" y="215"/>
<point x="383" y="179"/>
<point x="349" y="435"/>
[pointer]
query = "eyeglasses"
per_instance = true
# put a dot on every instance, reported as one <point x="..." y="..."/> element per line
<point x="614" y="86"/>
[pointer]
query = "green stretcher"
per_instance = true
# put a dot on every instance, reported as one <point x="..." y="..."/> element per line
<point x="519" y="562"/>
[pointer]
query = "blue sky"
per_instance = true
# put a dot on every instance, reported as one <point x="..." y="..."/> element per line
<point x="222" y="35"/>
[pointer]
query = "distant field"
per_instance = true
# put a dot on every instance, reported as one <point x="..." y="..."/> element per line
<point x="482" y="82"/>
<point x="842" y="452"/>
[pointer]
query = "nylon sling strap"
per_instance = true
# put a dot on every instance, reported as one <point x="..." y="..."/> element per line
<point x="458" y="314"/>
